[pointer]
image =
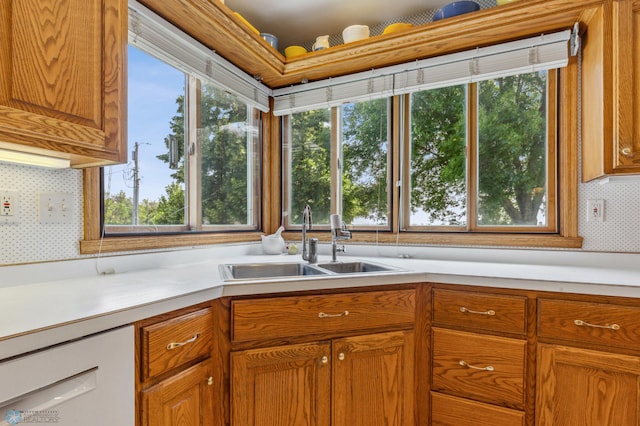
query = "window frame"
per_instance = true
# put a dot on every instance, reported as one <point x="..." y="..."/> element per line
<point x="565" y="185"/>
<point x="336" y="162"/>
<point x="472" y="176"/>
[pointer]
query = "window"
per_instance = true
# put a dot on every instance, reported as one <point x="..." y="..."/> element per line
<point x="476" y="158"/>
<point x="482" y="156"/>
<point x="337" y="161"/>
<point x="193" y="129"/>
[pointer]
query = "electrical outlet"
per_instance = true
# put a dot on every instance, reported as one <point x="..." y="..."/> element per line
<point x="9" y="207"/>
<point x="595" y="210"/>
<point x="56" y="207"/>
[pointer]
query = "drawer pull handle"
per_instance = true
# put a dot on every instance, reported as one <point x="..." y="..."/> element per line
<point x="586" y="324"/>
<point x="466" y="364"/>
<point x="490" y="312"/>
<point x="178" y="344"/>
<point x="341" y="314"/>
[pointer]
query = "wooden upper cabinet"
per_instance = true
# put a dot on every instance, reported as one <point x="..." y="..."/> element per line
<point x="62" y="79"/>
<point x="611" y="91"/>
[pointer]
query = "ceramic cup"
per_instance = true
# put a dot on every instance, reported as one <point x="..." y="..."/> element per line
<point x="322" y="42"/>
<point x="355" y="33"/>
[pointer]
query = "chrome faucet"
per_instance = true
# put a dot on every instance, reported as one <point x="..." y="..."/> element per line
<point x="310" y="250"/>
<point x="339" y="231"/>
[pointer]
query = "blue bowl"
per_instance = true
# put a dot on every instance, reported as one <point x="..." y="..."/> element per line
<point x="456" y="8"/>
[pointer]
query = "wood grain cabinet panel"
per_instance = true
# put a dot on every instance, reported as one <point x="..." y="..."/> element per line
<point x="480" y="311"/>
<point x="447" y="410"/>
<point x="287" y="317"/>
<point x="185" y="399"/>
<point x="611" y="91"/>
<point x="583" y="323"/>
<point x="587" y="388"/>
<point x="279" y="386"/>
<point x="373" y="380"/>
<point x="63" y="78"/>
<point x="485" y="368"/>
<point x="176" y="341"/>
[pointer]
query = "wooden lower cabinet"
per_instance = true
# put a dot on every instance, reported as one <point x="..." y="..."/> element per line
<point x="354" y="381"/>
<point x="447" y="410"/>
<point x="582" y="387"/>
<point x="185" y="399"/>
<point x="284" y="385"/>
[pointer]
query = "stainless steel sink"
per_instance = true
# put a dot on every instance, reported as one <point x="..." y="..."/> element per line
<point x="354" y="267"/>
<point x="267" y="270"/>
<point x="256" y="271"/>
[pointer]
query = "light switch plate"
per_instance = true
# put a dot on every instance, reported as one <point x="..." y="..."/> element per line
<point x="56" y="207"/>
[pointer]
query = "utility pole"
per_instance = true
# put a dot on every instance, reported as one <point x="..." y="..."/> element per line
<point x="136" y="183"/>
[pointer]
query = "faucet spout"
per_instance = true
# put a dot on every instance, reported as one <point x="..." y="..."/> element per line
<point x="339" y="231"/>
<point x="310" y="249"/>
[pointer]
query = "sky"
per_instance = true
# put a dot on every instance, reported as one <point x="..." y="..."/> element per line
<point x="153" y="88"/>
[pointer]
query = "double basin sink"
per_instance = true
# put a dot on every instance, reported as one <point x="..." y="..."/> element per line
<point x="248" y="271"/>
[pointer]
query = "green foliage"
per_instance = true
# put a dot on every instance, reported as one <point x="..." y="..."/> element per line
<point x="512" y="144"/>
<point x="365" y="148"/>
<point x="171" y="207"/>
<point x="438" y="162"/>
<point x="310" y="164"/>
<point x="118" y="209"/>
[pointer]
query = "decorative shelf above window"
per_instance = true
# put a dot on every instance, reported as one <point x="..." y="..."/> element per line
<point x="215" y="25"/>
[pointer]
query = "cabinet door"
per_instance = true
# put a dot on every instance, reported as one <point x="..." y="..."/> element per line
<point x="185" y="399"/>
<point x="281" y="386"/>
<point x="62" y="78"/>
<point x="611" y="91"/>
<point x="373" y="380"/>
<point x="586" y="388"/>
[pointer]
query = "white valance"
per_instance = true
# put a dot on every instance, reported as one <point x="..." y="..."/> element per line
<point x="543" y="52"/>
<point x="154" y="35"/>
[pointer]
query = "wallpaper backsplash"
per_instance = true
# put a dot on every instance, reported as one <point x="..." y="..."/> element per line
<point x="30" y="241"/>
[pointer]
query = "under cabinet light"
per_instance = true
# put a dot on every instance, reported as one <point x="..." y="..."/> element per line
<point x="24" y="158"/>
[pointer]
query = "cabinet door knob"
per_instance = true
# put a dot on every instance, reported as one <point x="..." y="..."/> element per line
<point x="210" y="381"/>
<point x="490" y="312"/>
<point x="325" y="359"/>
<point x="627" y="152"/>
<point x="341" y="356"/>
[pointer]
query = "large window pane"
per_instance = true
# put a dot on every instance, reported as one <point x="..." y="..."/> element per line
<point x="438" y="164"/>
<point x="365" y="149"/>
<point x="227" y="144"/>
<point x="310" y="165"/>
<point x="147" y="191"/>
<point x="512" y="145"/>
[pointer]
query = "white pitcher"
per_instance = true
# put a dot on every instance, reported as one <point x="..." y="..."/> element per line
<point x="322" y="42"/>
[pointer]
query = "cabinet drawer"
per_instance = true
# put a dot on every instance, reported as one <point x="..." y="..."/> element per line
<point x="487" y="368"/>
<point x="449" y="410"/>
<point x="583" y="322"/>
<point x="480" y="311"/>
<point x="295" y="316"/>
<point x="173" y="342"/>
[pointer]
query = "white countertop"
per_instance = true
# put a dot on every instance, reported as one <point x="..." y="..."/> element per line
<point x="45" y="304"/>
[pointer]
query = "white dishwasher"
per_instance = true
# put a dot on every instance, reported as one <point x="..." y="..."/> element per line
<point x="86" y="382"/>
